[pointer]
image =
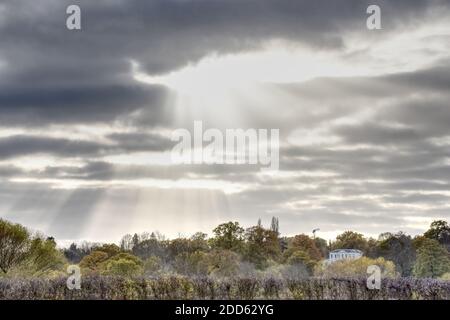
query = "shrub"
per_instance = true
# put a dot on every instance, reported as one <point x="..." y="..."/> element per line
<point x="355" y="268"/>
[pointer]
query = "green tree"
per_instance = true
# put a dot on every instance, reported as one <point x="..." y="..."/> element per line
<point x="109" y="249"/>
<point x="14" y="244"/>
<point x="228" y="236"/>
<point x="199" y="242"/>
<point x="432" y="260"/>
<point x="439" y="231"/>
<point x="262" y="245"/>
<point x="418" y="241"/>
<point x="43" y="258"/>
<point x="153" y="265"/>
<point x="399" y="249"/>
<point x="123" y="264"/>
<point x="301" y="258"/>
<point x="371" y="250"/>
<point x="149" y="248"/>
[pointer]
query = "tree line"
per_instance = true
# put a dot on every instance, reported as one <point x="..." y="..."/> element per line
<point x="231" y="251"/>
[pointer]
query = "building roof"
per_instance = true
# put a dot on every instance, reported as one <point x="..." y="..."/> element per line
<point x="347" y="251"/>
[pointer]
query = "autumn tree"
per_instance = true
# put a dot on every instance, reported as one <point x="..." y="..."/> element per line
<point x="350" y="240"/>
<point x="93" y="262"/>
<point x="304" y="243"/>
<point x="322" y="245"/>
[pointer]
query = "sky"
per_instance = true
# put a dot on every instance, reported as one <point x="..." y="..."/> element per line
<point x="86" y="116"/>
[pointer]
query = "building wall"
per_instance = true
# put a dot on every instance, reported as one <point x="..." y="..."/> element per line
<point x="336" y="256"/>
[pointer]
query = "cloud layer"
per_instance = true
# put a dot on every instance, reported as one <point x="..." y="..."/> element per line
<point x="364" y="121"/>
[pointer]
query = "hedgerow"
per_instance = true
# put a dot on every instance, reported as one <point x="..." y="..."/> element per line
<point x="178" y="287"/>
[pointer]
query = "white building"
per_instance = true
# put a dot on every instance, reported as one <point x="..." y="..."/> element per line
<point x="342" y="254"/>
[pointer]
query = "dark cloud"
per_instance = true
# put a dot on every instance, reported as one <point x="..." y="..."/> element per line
<point x="54" y="75"/>
<point x="29" y="145"/>
<point x="21" y="145"/>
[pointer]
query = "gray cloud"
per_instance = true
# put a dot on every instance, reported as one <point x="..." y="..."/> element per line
<point x="53" y="75"/>
<point x="382" y="163"/>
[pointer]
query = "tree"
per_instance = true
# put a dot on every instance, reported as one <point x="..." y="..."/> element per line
<point x="192" y="263"/>
<point x="223" y="263"/>
<point x="350" y="240"/>
<point x="199" y="242"/>
<point x="275" y="225"/>
<point x="372" y="248"/>
<point x="301" y="258"/>
<point x="152" y="265"/>
<point x="75" y="253"/>
<point x="304" y="243"/>
<point x="179" y="246"/>
<point x="109" y="249"/>
<point x="322" y="245"/>
<point x="126" y="244"/>
<point x="432" y="260"/>
<point x="124" y="264"/>
<point x="399" y="249"/>
<point x="14" y="244"/>
<point x="43" y="258"/>
<point x="93" y="262"/>
<point x="439" y="231"/>
<point x="262" y="244"/>
<point x="135" y="240"/>
<point x="149" y="248"/>
<point x="228" y="236"/>
<point x="418" y="241"/>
